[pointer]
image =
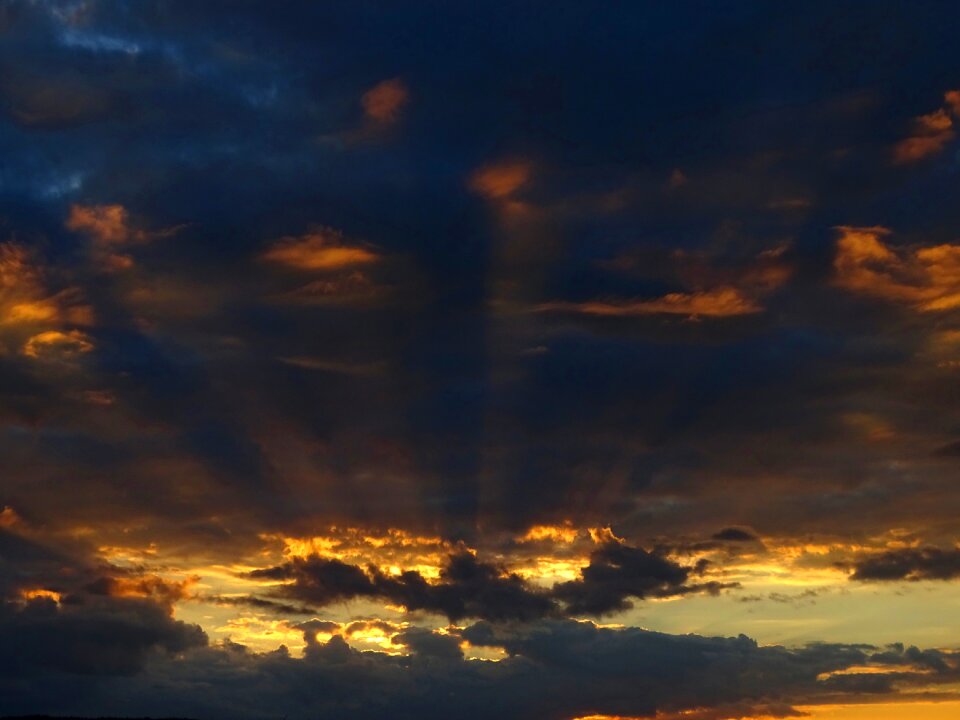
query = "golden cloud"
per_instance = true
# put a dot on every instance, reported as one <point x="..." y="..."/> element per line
<point x="565" y="533"/>
<point x="931" y="132"/>
<point x="392" y="549"/>
<point x="54" y="344"/>
<point x="928" y="279"/>
<point x="321" y="249"/>
<point x="718" y="302"/>
<point x="24" y="298"/>
<point x="155" y="587"/>
<point x="21" y="290"/>
<point x="384" y="102"/>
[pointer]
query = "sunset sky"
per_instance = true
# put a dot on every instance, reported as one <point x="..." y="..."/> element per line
<point x="480" y="360"/>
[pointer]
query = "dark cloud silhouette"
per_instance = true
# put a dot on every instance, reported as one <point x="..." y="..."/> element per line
<point x="466" y="588"/>
<point x="735" y="534"/>
<point x="554" y="670"/>
<point x="60" y="612"/>
<point x="470" y="588"/>
<point x="424" y="643"/>
<point x="88" y="636"/>
<point x="926" y="563"/>
<point x="258" y="603"/>
<point x="24" y="562"/>
<point x="618" y="572"/>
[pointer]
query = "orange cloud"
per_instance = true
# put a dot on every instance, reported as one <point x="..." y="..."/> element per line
<point x="941" y="709"/>
<point x="952" y="98"/>
<point x="565" y="533"/>
<point x="147" y="586"/>
<point x="500" y="180"/>
<point x="24" y="298"/>
<point x="8" y="517"/>
<point x="928" y="279"/>
<point x="715" y="292"/>
<point x="108" y="226"/>
<point x="53" y="344"/>
<point x="105" y="224"/>
<point x="21" y="289"/>
<point x="718" y="302"/>
<point x="36" y="593"/>
<point x="322" y="249"/>
<point x="931" y="132"/>
<point x="384" y="102"/>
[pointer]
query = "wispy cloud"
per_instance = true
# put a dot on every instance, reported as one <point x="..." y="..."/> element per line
<point x="320" y="249"/>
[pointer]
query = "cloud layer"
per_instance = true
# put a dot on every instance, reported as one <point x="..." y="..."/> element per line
<point x="492" y="333"/>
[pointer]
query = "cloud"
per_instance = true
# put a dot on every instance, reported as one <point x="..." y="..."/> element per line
<point x="109" y="227"/>
<point x="925" y="278"/>
<point x="360" y="626"/>
<point x="319" y="580"/>
<point x="554" y="670"/>
<point x="257" y="603"/>
<point x="719" y="289"/>
<point x="385" y="101"/>
<point x="424" y="643"/>
<point x="718" y="302"/>
<point x="54" y="344"/>
<point x="321" y="249"/>
<point x="735" y="534"/>
<point x="618" y="572"/>
<point x="105" y="224"/>
<point x="952" y="100"/>
<point x="931" y="132"/>
<point x="26" y="564"/>
<point x="25" y="298"/>
<point x="163" y="591"/>
<point x="36" y="321"/>
<point x="500" y="180"/>
<point x="60" y="613"/>
<point x="469" y="588"/>
<point x="92" y="636"/>
<point x="914" y="564"/>
<point x="466" y="588"/>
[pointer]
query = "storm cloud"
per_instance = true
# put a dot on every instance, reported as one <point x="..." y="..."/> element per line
<point x="322" y="316"/>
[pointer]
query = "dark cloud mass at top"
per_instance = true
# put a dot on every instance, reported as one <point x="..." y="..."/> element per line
<point x="492" y="331"/>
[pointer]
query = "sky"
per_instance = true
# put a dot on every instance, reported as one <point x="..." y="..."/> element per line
<point x="515" y="360"/>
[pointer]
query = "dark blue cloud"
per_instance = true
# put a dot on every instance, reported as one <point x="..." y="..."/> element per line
<point x="720" y="130"/>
